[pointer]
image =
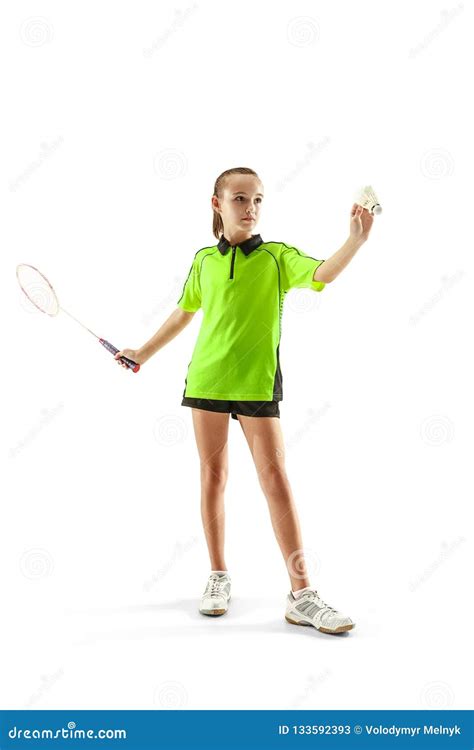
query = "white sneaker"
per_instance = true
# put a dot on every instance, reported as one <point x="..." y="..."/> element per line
<point x="309" y="609"/>
<point x="216" y="595"/>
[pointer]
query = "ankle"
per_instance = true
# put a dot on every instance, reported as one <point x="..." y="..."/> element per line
<point x="298" y="590"/>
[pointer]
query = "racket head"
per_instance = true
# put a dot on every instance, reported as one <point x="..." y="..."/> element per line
<point x="37" y="289"/>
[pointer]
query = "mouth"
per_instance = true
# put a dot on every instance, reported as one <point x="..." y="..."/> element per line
<point x="247" y="218"/>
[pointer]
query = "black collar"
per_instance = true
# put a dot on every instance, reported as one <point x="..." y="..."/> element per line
<point x="247" y="246"/>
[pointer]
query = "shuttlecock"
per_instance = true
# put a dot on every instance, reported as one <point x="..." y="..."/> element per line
<point x="367" y="198"/>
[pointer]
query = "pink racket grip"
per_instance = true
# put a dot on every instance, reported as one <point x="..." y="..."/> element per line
<point x="134" y="366"/>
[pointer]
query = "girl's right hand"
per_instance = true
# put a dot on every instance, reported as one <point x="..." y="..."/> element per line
<point x="132" y="354"/>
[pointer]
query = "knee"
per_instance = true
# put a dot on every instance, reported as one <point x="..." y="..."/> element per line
<point x="213" y="476"/>
<point x="274" y="480"/>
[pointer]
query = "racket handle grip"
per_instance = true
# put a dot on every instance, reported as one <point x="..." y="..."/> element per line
<point x="134" y="366"/>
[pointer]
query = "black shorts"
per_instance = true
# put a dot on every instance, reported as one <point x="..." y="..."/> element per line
<point x="245" y="408"/>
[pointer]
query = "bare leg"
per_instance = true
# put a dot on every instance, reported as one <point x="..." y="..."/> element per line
<point x="211" y="432"/>
<point x="265" y="440"/>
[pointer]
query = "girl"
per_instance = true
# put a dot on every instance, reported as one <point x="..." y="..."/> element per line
<point x="240" y="283"/>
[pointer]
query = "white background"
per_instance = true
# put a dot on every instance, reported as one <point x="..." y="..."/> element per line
<point x="117" y="119"/>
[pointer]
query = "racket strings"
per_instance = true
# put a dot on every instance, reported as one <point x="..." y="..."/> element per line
<point x="37" y="289"/>
<point x="40" y="292"/>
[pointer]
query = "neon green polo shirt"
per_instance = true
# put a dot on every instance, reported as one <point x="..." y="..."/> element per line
<point x="241" y="290"/>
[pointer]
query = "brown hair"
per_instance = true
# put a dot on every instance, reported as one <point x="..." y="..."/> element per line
<point x="217" y="225"/>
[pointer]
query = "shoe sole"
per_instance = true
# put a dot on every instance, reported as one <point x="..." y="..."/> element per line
<point x="214" y="612"/>
<point x="340" y="629"/>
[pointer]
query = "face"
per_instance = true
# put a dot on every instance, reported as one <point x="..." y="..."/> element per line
<point x="239" y="206"/>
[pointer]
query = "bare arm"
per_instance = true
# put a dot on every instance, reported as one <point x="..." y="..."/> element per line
<point x="360" y="225"/>
<point x="333" y="266"/>
<point x="178" y="320"/>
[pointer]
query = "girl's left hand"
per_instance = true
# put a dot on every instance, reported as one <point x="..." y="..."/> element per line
<point x="361" y="223"/>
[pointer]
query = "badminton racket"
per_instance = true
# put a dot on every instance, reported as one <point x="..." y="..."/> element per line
<point x="41" y="293"/>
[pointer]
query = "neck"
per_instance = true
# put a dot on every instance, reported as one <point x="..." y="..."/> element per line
<point x="237" y="236"/>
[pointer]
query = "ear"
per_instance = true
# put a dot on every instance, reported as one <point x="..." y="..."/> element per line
<point x="215" y="204"/>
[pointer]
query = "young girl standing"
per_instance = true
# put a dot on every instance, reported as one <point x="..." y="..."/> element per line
<point x="240" y="284"/>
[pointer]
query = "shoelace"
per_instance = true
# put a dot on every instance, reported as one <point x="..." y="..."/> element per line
<point x="215" y="585"/>
<point x="314" y="596"/>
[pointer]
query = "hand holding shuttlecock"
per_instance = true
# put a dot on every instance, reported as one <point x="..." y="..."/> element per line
<point x="367" y="198"/>
<point x="363" y="213"/>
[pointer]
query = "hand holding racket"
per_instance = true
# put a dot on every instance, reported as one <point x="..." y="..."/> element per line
<point x="129" y="355"/>
<point x="40" y="292"/>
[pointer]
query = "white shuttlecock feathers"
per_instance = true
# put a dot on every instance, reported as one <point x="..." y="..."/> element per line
<point x="367" y="198"/>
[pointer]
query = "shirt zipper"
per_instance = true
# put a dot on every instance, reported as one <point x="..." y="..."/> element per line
<point x="232" y="262"/>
